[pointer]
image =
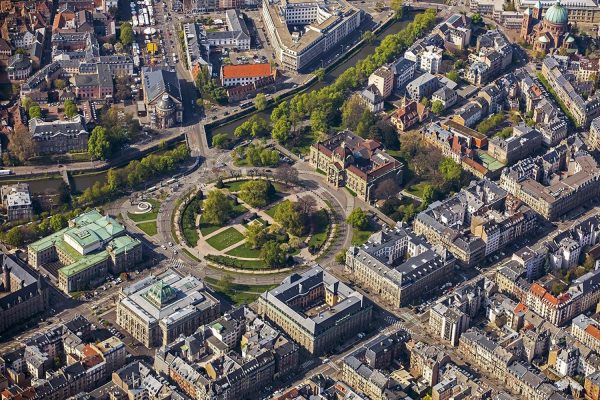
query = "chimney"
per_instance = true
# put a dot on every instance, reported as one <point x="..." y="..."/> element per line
<point x="5" y="275"/>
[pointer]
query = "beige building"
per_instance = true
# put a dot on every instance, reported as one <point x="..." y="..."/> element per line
<point x="587" y="331"/>
<point x="355" y="163"/>
<point x="383" y="79"/>
<point x="158" y="309"/>
<point x="17" y="202"/>
<point x="316" y="310"/>
<point x="399" y="265"/>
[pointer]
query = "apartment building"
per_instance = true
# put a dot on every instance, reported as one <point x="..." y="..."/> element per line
<point x="16" y="200"/>
<point x="426" y="361"/>
<point x="476" y="222"/>
<point x="456" y="31"/>
<point x="356" y="163"/>
<point x="555" y="183"/>
<point x="594" y="136"/>
<point x="523" y="142"/>
<point x="423" y="86"/>
<point x="399" y="265"/>
<point x="383" y="80"/>
<point x="236" y="36"/>
<point x="494" y="54"/>
<point x="404" y="72"/>
<point x="316" y="310"/>
<point x="565" y="249"/>
<point x="327" y="23"/>
<point x="587" y="331"/>
<point x="157" y="309"/>
<point x="58" y="137"/>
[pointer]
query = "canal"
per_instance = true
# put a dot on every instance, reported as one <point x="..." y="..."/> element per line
<point x="330" y="76"/>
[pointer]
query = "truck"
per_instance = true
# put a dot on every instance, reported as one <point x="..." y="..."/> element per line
<point x="5" y="171"/>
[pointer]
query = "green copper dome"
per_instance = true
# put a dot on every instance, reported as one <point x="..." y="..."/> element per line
<point x="557" y="14"/>
<point x="160" y="294"/>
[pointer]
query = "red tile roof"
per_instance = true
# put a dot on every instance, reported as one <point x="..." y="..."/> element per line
<point x="246" y="71"/>
<point x="593" y="331"/>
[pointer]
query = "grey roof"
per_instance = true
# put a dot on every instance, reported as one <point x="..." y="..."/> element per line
<point x="237" y="23"/>
<point x="444" y="94"/>
<point x="401" y="65"/>
<point x="157" y="81"/>
<point x="72" y="127"/>
<point x="19" y="61"/>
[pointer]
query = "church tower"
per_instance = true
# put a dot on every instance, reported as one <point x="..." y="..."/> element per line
<point x="537" y="11"/>
<point x="526" y="24"/>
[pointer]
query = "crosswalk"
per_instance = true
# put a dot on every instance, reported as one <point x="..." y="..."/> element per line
<point x="395" y="324"/>
<point x="175" y="263"/>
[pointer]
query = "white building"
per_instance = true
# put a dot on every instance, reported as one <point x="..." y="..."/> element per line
<point x="431" y="60"/>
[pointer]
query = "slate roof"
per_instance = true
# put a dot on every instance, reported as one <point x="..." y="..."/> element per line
<point x="157" y="81"/>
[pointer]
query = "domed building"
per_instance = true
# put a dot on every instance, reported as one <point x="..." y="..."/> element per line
<point x="550" y="32"/>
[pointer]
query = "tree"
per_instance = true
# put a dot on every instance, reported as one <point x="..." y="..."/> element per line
<point x="340" y="257"/>
<point x="260" y="102"/>
<point x="35" y="111"/>
<point x="217" y="207"/>
<point x="59" y="84"/>
<point x="476" y="19"/>
<point x="57" y="222"/>
<point x="256" y="235"/>
<point x="225" y="283"/>
<point x="318" y="122"/>
<point x="98" y="143"/>
<point x="26" y="102"/>
<point x="113" y="180"/>
<point x="256" y="192"/>
<point x="450" y="170"/>
<point x="273" y="255"/>
<point x="126" y="35"/>
<point x="369" y="37"/>
<point x="20" y="144"/>
<point x="70" y="108"/>
<point x="396" y="6"/>
<point x="14" y="237"/>
<point x="386" y="189"/>
<point x="281" y="130"/>
<point x="307" y="204"/>
<point x="358" y="219"/>
<point x="437" y="107"/>
<point x="429" y="194"/>
<point x="119" y="47"/>
<point x="425" y="101"/>
<point x="220" y="140"/>
<point x="288" y="216"/>
<point x="286" y="174"/>
<point x="352" y="112"/>
<point x="320" y="74"/>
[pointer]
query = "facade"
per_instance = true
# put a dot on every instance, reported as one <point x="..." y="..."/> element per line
<point x="476" y="222"/>
<point x="587" y="331"/>
<point x="372" y="99"/>
<point x="399" y="265"/>
<point x="244" y="74"/>
<point x="383" y="80"/>
<point x="157" y="309"/>
<point x="494" y="55"/>
<point x="550" y="184"/>
<point x="58" y="137"/>
<point x="594" y="136"/>
<point x="404" y="72"/>
<point x="87" y="249"/>
<point x="18" y="68"/>
<point x="551" y="32"/>
<point x="162" y="97"/>
<point x="237" y="36"/>
<point x="326" y="24"/>
<point x="431" y="60"/>
<point x="356" y="163"/>
<point x="23" y="294"/>
<point x="523" y="142"/>
<point x="95" y="85"/>
<point x="409" y="114"/>
<point x="565" y="250"/>
<point x="316" y="310"/>
<point x="17" y="202"/>
<point x="445" y="96"/>
<point x="583" y="111"/>
<point x="423" y="86"/>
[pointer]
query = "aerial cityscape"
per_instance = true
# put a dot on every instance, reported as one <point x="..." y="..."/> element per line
<point x="299" y="199"/>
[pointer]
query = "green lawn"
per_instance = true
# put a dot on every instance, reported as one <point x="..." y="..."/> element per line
<point x="236" y="263"/>
<point x="150" y="216"/>
<point x="223" y="240"/>
<point x="360" y="237"/>
<point x="149" y="227"/>
<point x="244" y="251"/>
<point x="320" y="222"/>
<point x="271" y="211"/>
<point x="417" y="189"/>
<point x="206" y="228"/>
<point x="235" y="186"/>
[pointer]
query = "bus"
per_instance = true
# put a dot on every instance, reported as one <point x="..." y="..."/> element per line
<point x="5" y="172"/>
<point x="246" y="104"/>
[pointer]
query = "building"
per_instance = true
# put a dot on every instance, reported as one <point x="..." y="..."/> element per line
<point x="555" y="183"/>
<point x="23" y="295"/>
<point x="431" y="60"/>
<point x="399" y="265"/>
<point x="587" y="331"/>
<point x="96" y="84"/>
<point x="244" y="74"/>
<point x="446" y="96"/>
<point x="138" y="380"/>
<point x="494" y="55"/>
<point x="426" y="361"/>
<point x="486" y="353"/>
<point x="18" y="68"/>
<point x="162" y="97"/>
<point x="594" y="136"/>
<point x="423" y="86"/>
<point x="363" y="368"/>
<point x="404" y="72"/>
<point x="476" y="222"/>
<point x="408" y="115"/>
<point x="157" y="309"/>
<point x="229" y="358"/>
<point x="582" y="111"/>
<point x="372" y="99"/>
<point x="523" y="142"/>
<point x="383" y="80"/>
<point x="325" y="25"/>
<point x="17" y="202"/>
<point x="86" y="250"/>
<point x="592" y="386"/>
<point x="237" y="34"/>
<point x="578" y="11"/>
<point x="565" y="250"/>
<point x="353" y="162"/>
<point x="456" y="32"/>
<point x="316" y="310"/>
<point x="58" y="137"/>
<point x="551" y="32"/>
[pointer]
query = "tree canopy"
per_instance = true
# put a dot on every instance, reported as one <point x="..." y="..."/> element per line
<point x="358" y="219"/>
<point x="256" y="193"/>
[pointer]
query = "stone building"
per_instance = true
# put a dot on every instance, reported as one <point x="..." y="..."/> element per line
<point x="355" y="163"/>
<point x="551" y="32"/>
<point x="399" y="265"/>
<point x="23" y="294"/>
<point x="17" y="201"/>
<point x="316" y="310"/>
<point x="58" y="137"/>
<point x="162" y="97"/>
<point x="157" y="309"/>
